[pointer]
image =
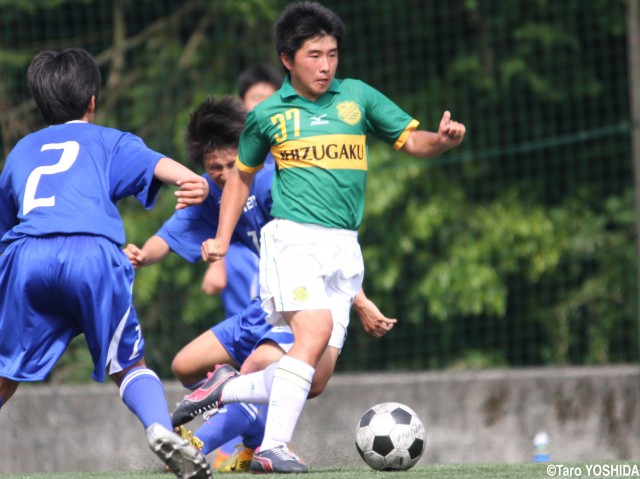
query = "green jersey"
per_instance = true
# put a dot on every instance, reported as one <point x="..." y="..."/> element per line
<point x="320" y="149"/>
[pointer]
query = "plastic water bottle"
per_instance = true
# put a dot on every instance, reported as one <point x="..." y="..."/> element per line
<point x="541" y="447"/>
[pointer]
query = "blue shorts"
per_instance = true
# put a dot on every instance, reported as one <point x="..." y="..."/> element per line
<point x="55" y="288"/>
<point x="242" y="333"/>
<point x="281" y="335"/>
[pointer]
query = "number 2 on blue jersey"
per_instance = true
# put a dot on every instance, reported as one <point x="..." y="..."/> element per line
<point x="69" y="155"/>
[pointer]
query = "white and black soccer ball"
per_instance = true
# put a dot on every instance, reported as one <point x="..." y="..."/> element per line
<point x="390" y="437"/>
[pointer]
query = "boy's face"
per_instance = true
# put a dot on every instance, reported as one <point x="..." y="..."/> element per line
<point x="218" y="164"/>
<point x="256" y="93"/>
<point x="313" y="67"/>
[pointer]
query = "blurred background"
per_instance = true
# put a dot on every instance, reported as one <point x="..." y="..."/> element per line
<point x="516" y="249"/>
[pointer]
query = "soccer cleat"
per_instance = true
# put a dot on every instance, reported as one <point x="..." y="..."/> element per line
<point x="187" y="435"/>
<point x="205" y="398"/>
<point x="238" y="461"/>
<point x="219" y="457"/>
<point x="278" y="460"/>
<point x="185" y="461"/>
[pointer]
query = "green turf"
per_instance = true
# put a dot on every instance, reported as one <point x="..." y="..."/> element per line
<point x="441" y="471"/>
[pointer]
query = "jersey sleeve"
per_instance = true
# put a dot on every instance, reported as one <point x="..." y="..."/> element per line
<point x="132" y="171"/>
<point x="186" y="229"/>
<point x="385" y="120"/>
<point x="253" y="147"/>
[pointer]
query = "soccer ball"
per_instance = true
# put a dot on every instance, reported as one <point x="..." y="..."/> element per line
<point x="390" y="437"/>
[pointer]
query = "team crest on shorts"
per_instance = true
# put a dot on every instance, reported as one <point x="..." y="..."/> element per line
<point x="349" y="112"/>
<point x="300" y="294"/>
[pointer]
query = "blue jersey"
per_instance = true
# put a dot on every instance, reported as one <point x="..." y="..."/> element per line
<point x="185" y="231"/>
<point x="62" y="271"/>
<point x="241" y="265"/>
<point x="67" y="179"/>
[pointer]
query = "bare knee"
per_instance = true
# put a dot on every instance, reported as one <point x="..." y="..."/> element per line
<point x="316" y="390"/>
<point x="181" y="370"/>
<point x="265" y="354"/>
<point x="251" y="366"/>
<point x="119" y="376"/>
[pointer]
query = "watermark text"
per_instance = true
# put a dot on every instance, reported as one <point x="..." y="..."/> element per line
<point x="593" y="470"/>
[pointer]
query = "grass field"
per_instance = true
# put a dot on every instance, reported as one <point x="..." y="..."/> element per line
<point x="444" y="471"/>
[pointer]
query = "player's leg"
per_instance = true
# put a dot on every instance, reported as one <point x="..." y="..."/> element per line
<point x="218" y="428"/>
<point x="292" y="281"/>
<point x="272" y="348"/>
<point x="103" y="307"/>
<point x="249" y="422"/>
<point x="267" y="353"/>
<point x="294" y="373"/>
<point x="142" y="392"/>
<point x="117" y="347"/>
<point x="192" y="363"/>
<point x="332" y="277"/>
<point x="190" y="367"/>
<point x="290" y="386"/>
<point x="238" y="335"/>
<point x="229" y="422"/>
<point x="324" y="371"/>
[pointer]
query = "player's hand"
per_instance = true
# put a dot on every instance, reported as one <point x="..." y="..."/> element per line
<point x="213" y="250"/>
<point x="193" y="191"/>
<point x="373" y="321"/>
<point x="135" y="255"/>
<point x="450" y="133"/>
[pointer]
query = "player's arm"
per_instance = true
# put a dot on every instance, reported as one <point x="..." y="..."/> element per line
<point x="373" y="321"/>
<point x="234" y="197"/>
<point x="426" y="144"/>
<point x="215" y="278"/>
<point x="193" y="187"/>
<point x="154" y="250"/>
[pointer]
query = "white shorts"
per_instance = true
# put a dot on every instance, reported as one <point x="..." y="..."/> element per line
<point x="305" y="266"/>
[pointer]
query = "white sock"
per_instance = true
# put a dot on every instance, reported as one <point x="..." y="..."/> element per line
<point x="254" y="388"/>
<point x="291" y="384"/>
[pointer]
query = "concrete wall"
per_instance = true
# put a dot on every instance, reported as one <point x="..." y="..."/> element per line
<point x="471" y="417"/>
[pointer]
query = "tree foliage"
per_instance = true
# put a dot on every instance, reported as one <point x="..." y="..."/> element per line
<point x="517" y="248"/>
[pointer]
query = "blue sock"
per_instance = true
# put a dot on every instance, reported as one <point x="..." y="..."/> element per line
<point x="253" y="435"/>
<point x="143" y="393"/>
<point x="229" y="447"/>
<point x="230" y="422"/>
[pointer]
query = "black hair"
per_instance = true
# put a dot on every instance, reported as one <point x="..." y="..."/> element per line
<point x="259" y="73"/>
<point x="63" y="82"/>
<point x="214" y="126"/>
<point x="301" y="21"/>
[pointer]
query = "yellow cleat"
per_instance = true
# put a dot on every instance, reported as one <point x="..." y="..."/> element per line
<point x="219" y="457"/>
<point x="188" y="435"/>
<point x="238" y="461"/>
